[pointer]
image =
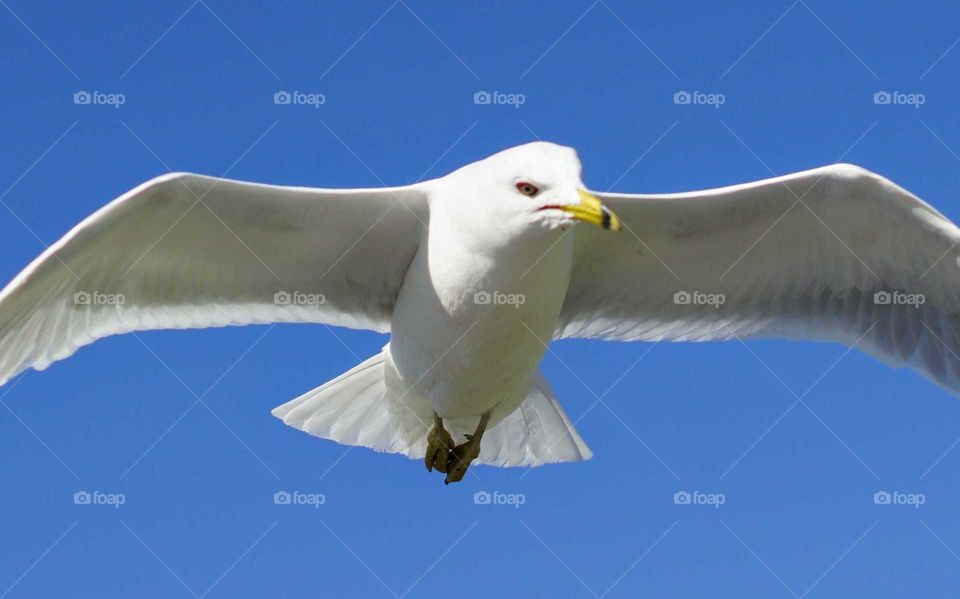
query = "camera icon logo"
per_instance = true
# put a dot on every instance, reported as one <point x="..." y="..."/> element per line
<point x="482" y="97"/>
<point x="282" y="97"/>
<point x="882" y="298"/>
<point x="281" y="298"/>
<point x="82" y="498"/>
<point x="482" y="298"/>
<point x="682" y="97"/>
<point x="82" y="97"/>
<point x="882" y="98"/>
<point x="882" y="498"/>
<point x="81" y="298"/>
<point x="682" y="298"/>
<point x="481" y="498"/>
<point x="681" y="498"/>
<point x="281" y="498"/>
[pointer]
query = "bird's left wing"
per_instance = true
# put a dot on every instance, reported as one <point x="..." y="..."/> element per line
<point x="188" y="251"/>
<point x="832" y="254"/>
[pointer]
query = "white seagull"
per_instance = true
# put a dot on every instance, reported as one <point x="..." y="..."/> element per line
<point x="473" y="274"/>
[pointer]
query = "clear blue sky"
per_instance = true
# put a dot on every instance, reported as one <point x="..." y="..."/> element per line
<point x="198" y="479"/>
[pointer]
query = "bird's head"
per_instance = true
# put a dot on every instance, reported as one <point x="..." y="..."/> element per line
<point x="522" y="191"/>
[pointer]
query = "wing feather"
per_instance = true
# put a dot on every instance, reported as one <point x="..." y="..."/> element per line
<point x="832" y="254"/>
<point x="189" y="251"/>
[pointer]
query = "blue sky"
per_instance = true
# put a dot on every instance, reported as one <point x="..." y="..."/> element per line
<point x="178" y="424"/>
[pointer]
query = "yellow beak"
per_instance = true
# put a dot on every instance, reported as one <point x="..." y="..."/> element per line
<point x="592" y="210"/>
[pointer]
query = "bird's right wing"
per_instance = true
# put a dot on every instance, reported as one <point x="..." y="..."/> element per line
<point x="188" y="251"/>
<point x="833" y="254"/>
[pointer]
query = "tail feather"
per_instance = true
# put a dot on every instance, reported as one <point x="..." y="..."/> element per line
<point x="356" y="408"/>
<point x="538" y="432"/>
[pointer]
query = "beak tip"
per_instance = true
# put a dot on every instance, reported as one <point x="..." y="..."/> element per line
<point x="609" y="220"/>
<point x="598" y="213"/>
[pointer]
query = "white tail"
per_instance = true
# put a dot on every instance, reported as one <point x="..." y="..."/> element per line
<point x="356" y="408"/>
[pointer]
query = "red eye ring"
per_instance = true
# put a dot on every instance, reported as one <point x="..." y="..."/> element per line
<point x="527" y="189"/>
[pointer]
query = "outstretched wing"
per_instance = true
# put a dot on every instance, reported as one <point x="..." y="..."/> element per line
<point x="188" y="251"/>
<point x="832" y="254"/>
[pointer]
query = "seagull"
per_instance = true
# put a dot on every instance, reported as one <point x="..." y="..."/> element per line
<point x="474" y="274"/>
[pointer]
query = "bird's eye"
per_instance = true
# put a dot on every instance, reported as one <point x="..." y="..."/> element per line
<point x="527" y="189"/>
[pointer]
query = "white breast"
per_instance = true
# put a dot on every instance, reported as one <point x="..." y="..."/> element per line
<point x="469" y="329"/>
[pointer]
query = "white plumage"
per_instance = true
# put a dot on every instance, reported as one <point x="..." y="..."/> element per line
<point x="832" y="254"/>
<point x="474" y="273"/>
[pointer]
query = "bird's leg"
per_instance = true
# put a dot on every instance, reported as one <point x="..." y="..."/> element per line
<point x="462" y="455"/>
<point x="439" y="444"/>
